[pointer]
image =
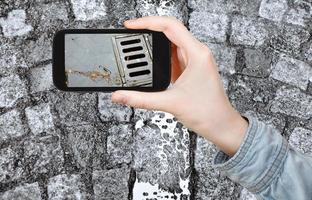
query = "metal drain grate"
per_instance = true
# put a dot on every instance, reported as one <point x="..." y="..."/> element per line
<point x="134" y="59"/>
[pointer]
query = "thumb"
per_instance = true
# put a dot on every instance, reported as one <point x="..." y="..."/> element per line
<point x="144" y="100"/>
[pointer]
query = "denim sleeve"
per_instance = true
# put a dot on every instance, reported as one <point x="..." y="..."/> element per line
<point x="267" y="166"/>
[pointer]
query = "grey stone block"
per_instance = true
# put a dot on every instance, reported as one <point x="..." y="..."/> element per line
<point x="89" y="10"/>
<point x="210" y="184"/>
<point x="46" y="17"/>
<point x="146" y="8"/>
<point x="248" y="31"/>
<point x="308" y="53"/>
<point x="225" y="82"/>
<point x="158" y="149"/>
<point x="142" y="114"/>
<point x="11" y="168"/>
<point x="49" y="15"/>
<point x="288" y="39"/>
<point x="143" y="190"/>
<point x="301" y="140"/>
<point x="276" y="122"/>
<point x="177" y="9"/>
<point x="293" y="102"/>
<point x="41" y="79"/>
<point x="292" y="71"/>
<point x="245" y="7"/>
<point x="111" y="184"/>
<point x="39" y="50"/>
<point x="120" y="11"/>
<point x="247" y="93"/>
<point x="43" y="155"/>
<point x="81" y="140"/>
<point x="39" y="118"/>
<point x="225" y="57"/>
<point x="167" y="143"/>
<point x="11" y="125"/>
<point x="66" y="186"/>
<point x="258" y="64"/>
<point x="207" y="26"/>
<point x="215" y="6"/>
<point x="309" y="89"/>
<point x="246" y="195"/>
<point x="11" y="58"/>
<point x="300" y="13"/>
<point x="74" y="108"/>
<point x="273" y="9"/>
<point x="12" y="88"/>
<point x="119" y="144"/>
<point x="14" y="24"/>
<point x="111" y="111"/>
<point x="99" y="156"/>
<point x="25" y="192"/>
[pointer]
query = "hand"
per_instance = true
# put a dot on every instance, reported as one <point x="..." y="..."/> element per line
<point x="196" y="98"/>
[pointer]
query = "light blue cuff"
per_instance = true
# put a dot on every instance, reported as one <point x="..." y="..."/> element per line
<point x="259" y="158"/>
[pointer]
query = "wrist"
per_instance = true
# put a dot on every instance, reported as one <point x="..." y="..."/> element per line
<point x="228" y="132"/>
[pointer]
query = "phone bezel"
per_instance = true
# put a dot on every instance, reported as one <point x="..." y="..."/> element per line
<point x="161" y="60"/>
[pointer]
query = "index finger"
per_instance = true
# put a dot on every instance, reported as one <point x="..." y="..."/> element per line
<point x="175" y="31"/>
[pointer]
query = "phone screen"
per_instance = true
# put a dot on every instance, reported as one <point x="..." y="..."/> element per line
<point x="108" y="60"/>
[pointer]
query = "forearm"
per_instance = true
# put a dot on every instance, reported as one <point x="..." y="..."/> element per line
<point x="227" y="131"/>
<point x="266" y="165"/>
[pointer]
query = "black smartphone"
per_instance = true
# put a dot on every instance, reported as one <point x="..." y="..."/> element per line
<point x="111" y="59"/>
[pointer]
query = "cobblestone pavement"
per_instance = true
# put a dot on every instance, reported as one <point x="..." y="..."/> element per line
<point x="56" y="145"/>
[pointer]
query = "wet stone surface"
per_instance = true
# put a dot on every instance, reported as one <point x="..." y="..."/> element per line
<point x="166" y="141"/>
<point x="59" y="145"/>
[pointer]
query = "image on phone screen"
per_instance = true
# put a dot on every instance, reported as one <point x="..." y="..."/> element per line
<point x="108" y="60"/>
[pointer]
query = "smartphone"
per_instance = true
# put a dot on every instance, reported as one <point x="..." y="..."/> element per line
<point x="111" y="59"/>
